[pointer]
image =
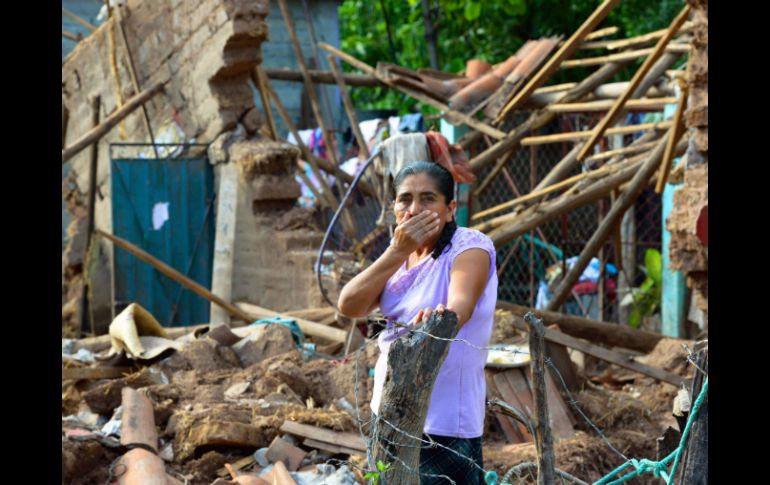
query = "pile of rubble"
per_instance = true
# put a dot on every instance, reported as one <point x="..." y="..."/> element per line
<point x="217" y="396"/>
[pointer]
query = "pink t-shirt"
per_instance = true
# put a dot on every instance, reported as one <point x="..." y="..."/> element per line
<point x="457" y="402"/>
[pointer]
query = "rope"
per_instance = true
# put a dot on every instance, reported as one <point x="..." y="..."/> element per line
<point x="658" y="468"/>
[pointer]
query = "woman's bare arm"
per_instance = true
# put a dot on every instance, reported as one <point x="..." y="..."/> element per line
<point x="467" y="280"/>
<point x="362" y="294"/>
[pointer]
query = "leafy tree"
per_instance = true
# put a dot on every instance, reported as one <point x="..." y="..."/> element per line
<point x="490" y="30"/>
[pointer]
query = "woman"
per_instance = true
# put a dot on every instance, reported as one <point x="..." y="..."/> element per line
<point x="433" y="264"/>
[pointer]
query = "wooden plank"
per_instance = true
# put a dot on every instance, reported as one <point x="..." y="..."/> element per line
<point x="608" y="355"/>
<point x="332" y="448"/>
<point x="348" y="440"/>
<point x="555" y="388"/>
<point x="580" y="135"/>
<point x="238" y="465"/>
<point x="507" y="424"/>
<point x="592" y="330"/>
<point x="509" y="395"/>
<point x="88" y="373"/>
<point x="543" y="426"/>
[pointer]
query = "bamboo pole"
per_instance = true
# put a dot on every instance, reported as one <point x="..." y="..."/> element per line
<point x="472" y="122"/>
<point x="605" y="104"/>
<point x="350" y="110"/>
<point x="569" y="47"/>
<point x="611" y="116"/>
<point x="536" y="119"/>
<point x="348" y="105"/>
<point x="78" y="19"/>
<point x="621" y="151"/>
<point x="637" y="184"/>
<point x="310" y="158"/>
<point x="549" y="189"/>
<point x="581" y="135"/>
<point x="678" y="127"/>
<point x="96" y="133"/>
<point x="175" y="275"/>
<point x="645" y="38"/>
<point x="504" y="228"/>
<point x="605" y="32"/>
<point x="623" y="56"/>
<point x="258" y="78"/>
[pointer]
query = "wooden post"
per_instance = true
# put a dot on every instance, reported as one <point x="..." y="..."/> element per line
<point x="695" y="465"/>
<point x="99" y="131"/>
<point x="224" y="241"/>
<point x="92" y="173"/>
<point x="77" y="19"/>
<point x="65" y="118"/>
<point x="414" y="361"/>
<point x="673" y="292"/>
<point x="628" y="197"/>
<point x="611" y="116"/>
<point x="543" y="436"/>
<point x="566" y="50"/>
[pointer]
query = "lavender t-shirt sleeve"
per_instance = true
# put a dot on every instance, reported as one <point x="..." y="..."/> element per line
<point x="471" y="239"/>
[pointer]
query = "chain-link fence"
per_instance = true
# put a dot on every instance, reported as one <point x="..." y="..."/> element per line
<point x="523" y="263"/>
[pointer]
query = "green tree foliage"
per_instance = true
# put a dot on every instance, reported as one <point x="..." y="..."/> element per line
<point x="490" y="30"/>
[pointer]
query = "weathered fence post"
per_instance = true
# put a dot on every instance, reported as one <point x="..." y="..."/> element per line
<point x="543" y="436"/>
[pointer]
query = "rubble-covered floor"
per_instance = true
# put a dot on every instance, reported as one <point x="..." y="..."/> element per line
<point x="210" y="409"/>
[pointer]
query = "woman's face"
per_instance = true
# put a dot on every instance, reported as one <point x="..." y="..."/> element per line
<point x="420" y="192"/>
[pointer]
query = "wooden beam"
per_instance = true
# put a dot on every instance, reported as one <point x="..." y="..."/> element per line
<point x="623" y="56"/>
<point x="640" y="74"/>
<point x="537" y="119"/>
<point x="78" y="19"/>
<point x="581" y="135"/>
<point x="69" y="35"/>
<point x="595" y="331"/>
<point x="607" y="355"/>
<point x="468" y="120"/>
<point x="259" y="79"/>
<point x="315" y="329"/>
<point x="95" y="134"/>
<point x="668" y="155"/>
<point x="323" y="77"/>
<point x="569" y="47"/>
<point x="547" y="190"/>
<point x="346" y="439"/>
<point x="605" y="104"/>
<point x="637" y="184"/>
<point x="348" y="105"/>
<point x="175" y="275"/>
<point x="630" y="149"/>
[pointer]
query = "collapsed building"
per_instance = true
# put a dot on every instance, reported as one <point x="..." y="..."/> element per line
<point x="251" y="397"/>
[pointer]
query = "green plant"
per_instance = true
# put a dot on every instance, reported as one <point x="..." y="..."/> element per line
<point x="645" y="300"/>
<point x="375" y="476"/>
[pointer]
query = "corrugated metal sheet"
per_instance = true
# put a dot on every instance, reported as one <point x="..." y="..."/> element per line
<point x="183" y="240"/>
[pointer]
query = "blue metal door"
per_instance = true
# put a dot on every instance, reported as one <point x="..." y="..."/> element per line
<point x="165" y="207"/>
